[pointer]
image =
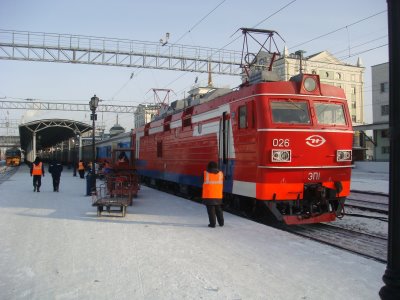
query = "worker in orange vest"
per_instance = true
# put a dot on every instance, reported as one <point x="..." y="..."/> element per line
<point x="37" y="171"/>
<point x="81" y="169"/>
<point x="212" y="193"/>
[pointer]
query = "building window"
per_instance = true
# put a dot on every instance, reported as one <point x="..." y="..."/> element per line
<point x="159" y="149"/>
<point x="354" y="104"/>
<point x="385" y="110"/>
<point x="353" y="90"/>
<point x="385" y="150"/>
<point x="338" y="76"/>
<point x="385" y="133"/>
<point x="314" y="72"/>
<point x="146" y="129"/>
<point x="384" y="87"/>
<point x="354" y="118"/>
<point x="243" y="117"/>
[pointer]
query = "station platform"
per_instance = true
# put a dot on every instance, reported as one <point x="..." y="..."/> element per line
<point x="53" y="246"/>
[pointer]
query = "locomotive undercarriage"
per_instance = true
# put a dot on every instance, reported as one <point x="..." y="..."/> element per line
<point x="317" y="201"/>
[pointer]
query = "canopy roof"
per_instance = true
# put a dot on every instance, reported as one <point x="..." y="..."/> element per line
<point x="50" y="132"/>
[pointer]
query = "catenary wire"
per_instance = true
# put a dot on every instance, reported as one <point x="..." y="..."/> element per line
<point x="193" y="27"/>
<point x="338" y="29"/>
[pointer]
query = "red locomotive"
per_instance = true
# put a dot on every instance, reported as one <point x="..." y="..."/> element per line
<point x="285" y="144"/>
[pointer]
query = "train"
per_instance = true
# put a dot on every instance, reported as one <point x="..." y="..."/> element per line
<point x="104" y="147"/>
<point x="285" y="147"/>
<point x="13" y="157"/>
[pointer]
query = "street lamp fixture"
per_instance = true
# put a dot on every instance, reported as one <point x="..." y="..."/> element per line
<point x="94" y="103"/>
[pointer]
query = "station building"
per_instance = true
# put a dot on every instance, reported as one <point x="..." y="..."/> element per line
<point x="380" y="112"/>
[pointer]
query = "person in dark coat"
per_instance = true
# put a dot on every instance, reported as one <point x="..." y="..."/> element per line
<point x="55" y="169"/>
<point x="37" y="171"/>
<point x="212" y="193"/>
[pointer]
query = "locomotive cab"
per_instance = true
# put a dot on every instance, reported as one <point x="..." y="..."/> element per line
<point x="306" y="137"/>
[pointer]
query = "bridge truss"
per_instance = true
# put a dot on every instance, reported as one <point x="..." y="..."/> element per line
<point x="79" y="49"/>
<point x="27" y="105"/>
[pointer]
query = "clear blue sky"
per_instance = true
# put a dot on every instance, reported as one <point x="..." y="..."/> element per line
<point x="297" y="23"/>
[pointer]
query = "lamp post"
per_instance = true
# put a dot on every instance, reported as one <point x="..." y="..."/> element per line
<point x="94" y="102"/>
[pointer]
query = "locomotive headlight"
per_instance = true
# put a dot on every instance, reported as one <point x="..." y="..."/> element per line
<point x="344" y="155"/>
<point x="281" y="156"/>
<point x="310" y="84"/>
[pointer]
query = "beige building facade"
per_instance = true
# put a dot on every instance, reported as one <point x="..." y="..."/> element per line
<point x="144" y="113"/>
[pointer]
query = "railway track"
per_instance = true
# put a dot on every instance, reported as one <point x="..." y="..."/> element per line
<point x="367" y="201"/>
<point x="6" y="173"/>
<point x="364" y="244"/>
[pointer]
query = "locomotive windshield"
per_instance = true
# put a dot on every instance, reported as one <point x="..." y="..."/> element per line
<point x="13" y="152"/>
<point x="330" y="113"/>
<point x="290" y="112"/>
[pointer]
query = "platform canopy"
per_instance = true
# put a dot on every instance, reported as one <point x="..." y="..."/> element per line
<point x="49" y="132"/>
<point x="373" y="126"/>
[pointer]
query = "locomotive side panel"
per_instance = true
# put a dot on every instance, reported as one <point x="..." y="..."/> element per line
<point x="179" y="153"/>
<point x="245" y="143"/>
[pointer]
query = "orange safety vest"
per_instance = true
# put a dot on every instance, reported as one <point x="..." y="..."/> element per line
<point x="81" y="166"/>
<point x="213" y="185"/>
<point x="37" y="169"/>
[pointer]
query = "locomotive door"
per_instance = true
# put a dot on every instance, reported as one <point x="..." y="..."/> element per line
<point x="224" y="136"/>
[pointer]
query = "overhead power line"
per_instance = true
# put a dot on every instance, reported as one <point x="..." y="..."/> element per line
<point x="341" y="28"/>
<point x="359" y="45"/>
<point x="201" y="20"/>
<point x="364" y="51"/>
<point x="271" y="15"/>
<point x="235" y="39"/>
<point x="193" y="27"/>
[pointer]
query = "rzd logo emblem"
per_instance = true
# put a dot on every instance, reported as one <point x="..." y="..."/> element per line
<point x="315" y="141"/>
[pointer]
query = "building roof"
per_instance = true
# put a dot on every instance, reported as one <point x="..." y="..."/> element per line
<point x="50" y="132"/>
<point x="373" y="126"/>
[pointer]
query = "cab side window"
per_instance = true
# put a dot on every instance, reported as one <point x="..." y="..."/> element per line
<point x="242" y="117"/>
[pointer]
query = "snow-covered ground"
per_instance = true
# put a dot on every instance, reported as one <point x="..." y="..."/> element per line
<point x="370" y="177"/>
<point x="53" y="246"/>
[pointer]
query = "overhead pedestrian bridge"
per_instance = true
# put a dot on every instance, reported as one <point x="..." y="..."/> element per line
<point x="80" y="49"/>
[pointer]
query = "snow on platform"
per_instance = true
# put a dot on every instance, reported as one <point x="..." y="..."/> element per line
<point x="371" y="177"/>
<point x="53" y="246"/>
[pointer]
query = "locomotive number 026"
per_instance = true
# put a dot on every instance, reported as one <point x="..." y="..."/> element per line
<point x="281" y="143"/>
